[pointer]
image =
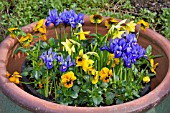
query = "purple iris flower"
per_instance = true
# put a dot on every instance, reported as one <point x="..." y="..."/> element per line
<point x="71" y="18"/>
<point x="48" y="58"/>
<point x="126" y="48"/>
<point x="66" y="64"/>
<point x="53" y="18"/>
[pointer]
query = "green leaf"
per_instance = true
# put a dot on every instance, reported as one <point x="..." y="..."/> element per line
<point x="51" y="42"/>
<point x="149" y="50"/>
<point x="76" y="88"/>
<point x="73" y="94"/>
<point x="36" y="75"/>
<point x="97" y="100"/>
<point x="24" y="73"/>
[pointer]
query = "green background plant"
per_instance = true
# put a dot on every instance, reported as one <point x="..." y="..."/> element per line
<point x="15" y="13"/>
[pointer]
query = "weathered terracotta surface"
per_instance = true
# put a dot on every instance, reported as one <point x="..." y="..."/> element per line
<point x="160" y="84"/>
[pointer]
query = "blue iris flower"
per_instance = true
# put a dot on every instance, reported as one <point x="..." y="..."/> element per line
<point x="53" y="18"/>
<point x="65" y="64"/>
<point x="71" y="18"/>
<point x="48" y="58"/>
<point x="126" y="48"/>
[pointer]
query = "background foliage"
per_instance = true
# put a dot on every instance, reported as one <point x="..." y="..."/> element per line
<point x="15" y="13"/>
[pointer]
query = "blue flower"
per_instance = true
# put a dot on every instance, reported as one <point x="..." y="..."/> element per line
<point x="53" y="18"/>
<point x="126" y="48"/>
<point x="65" y="64"/>
<point x="48" y="58"/>
<point x="71" y="18"/>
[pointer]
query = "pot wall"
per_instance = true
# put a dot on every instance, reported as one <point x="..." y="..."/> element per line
<point x="160" y="84"/>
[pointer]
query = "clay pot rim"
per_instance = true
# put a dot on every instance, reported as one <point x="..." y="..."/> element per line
<point x="35" y="104"/>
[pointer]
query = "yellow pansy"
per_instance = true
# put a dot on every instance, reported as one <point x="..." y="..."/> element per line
<point x="67" y="79"/>
<point x="143" y="25"/>
<point x="96" y="18"/>
<point x="82" y="34"/>
<point x="95" y="77"/>
<point x="130" y="27"/>
<point x="87" y="64"/>
<point x="105" y="74"/>
<point x="43" y="37"/>
<point x="14" y="78"/>
<point x="153" y="66"/>
<point x="91" y="71"/>
<point x="109" y="22"/>
<point x="146" y="79"/>
<point x="40" y="27"/>
<point x="81" y="58"/>
<point x="68" y="46"/>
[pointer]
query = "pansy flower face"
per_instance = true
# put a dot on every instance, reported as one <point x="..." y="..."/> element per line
<point x="143" y="25"/>
<point x="96" y="18"/>
<point x="68" y="79"/>
<point x="109" y="22"/>
<point x="105" y="74"/>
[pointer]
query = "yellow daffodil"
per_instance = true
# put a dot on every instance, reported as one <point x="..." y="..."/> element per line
<point x="146" y="79"/>
<point x="105" y="74"/>
<point x="68" y="46"/>
<point x="14" y="78"/>
<point x="28" y="38"/>
<point x="40" y="27"/>
<point x="87" y="64"/>
<point x="96" y="18"/>
<point x="67" y="79"/>
<point x="95" y="77"/>
<point x="143" y="25"/>
<point x="153" y="66"/>
<point x="82" y="34"/>
<point x="109" y="22"/>
<point x="118" y="34"/>
<point x="130" y="27"/>
<point x="81" y="58"/>
<point x="116" y="60"/>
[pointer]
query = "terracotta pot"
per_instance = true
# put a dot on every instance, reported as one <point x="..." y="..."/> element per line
<point x="160" y="85"/>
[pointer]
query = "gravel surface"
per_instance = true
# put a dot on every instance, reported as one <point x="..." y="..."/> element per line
<point x="152" y="5"/>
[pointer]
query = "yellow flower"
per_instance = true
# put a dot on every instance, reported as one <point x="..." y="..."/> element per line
<point x="43" y="37"/>
<point x="40" y="27"/>
<point x="116" y="60"/>
<point x="67" y="79"/>
<point x="130" y="27"/>
<point x="12" y="35"/>
<point x="91" y="71"/>
<point x="87" y="64"/>
<point x="82" y="34"/>
<point x="105" y="74"/>
<point x="117" y="34"/>
<point x="12" y="29"/>
<point x="95" y="77"/>
<point x="96" y="18"/>
<point x="109" y="22"/>
<point x="143" y="25"/>
<point x="146" y="79"/>
<point x="153" y="66"/>
<point x="14" y="78"/>
<point x="68" y="46"/>
<point x="28" y="38"/>
<point x="81" y="58"/>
